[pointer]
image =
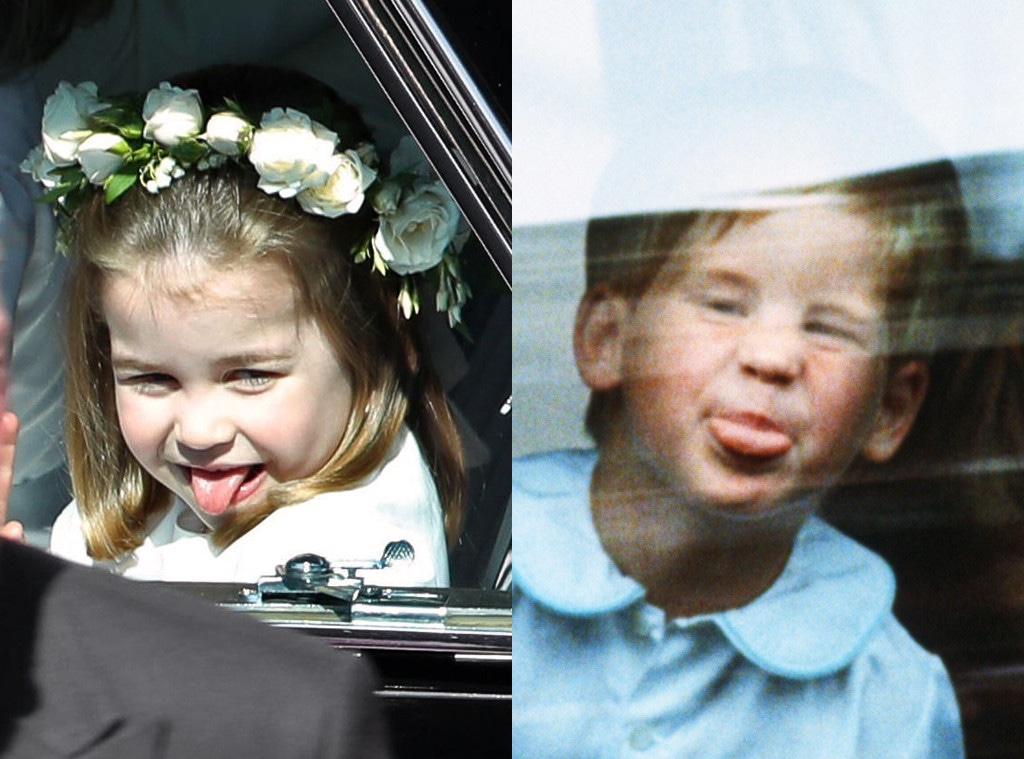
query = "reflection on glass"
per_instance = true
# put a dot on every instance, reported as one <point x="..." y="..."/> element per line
<point x="741" y="363"/>
<point x="740" y="380"/>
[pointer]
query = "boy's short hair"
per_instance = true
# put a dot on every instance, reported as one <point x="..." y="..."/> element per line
<point x="918" y="209"/>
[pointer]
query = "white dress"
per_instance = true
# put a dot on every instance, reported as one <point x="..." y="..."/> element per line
<point x="398" y="502"/>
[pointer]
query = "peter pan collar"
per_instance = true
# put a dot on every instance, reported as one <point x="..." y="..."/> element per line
<point x="813" y="621"/>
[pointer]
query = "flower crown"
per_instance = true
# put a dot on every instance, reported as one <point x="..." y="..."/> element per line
<point x="113" y="143"/>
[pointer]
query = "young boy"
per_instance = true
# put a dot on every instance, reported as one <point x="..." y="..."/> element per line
<point x="674" y="596"/>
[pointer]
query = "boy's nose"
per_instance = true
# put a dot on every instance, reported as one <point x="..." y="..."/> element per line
<point x="772" y="353"/>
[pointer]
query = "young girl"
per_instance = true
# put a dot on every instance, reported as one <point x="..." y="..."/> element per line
<point x="246" y="380"/>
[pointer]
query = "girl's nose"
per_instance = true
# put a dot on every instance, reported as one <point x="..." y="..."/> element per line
<point x="201" y="423"/>
<point x="772" y="352"/>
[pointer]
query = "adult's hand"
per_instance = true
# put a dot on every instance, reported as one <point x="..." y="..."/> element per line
<point x="8" y="443"/>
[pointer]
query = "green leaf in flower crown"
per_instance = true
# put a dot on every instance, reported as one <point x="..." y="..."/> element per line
<point x="189" y="151"/>
<point x="69" y="175"/>
<point x="141" y="155"/>
<point x="132" y="131"/>
<point x="58" y="191"/>
<point x="235" y="108"/>
<point x="117" y="184"/>
<point x="121" y="117"/>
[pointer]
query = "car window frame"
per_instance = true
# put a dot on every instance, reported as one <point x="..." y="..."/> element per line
<point x="435" y="96"/>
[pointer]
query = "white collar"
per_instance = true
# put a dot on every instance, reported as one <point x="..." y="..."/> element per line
<point x="815" y="618"/>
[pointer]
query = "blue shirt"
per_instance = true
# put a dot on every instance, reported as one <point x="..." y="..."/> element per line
<point x="817" y="666"/>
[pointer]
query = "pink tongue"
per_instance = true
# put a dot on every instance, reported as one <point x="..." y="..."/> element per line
<point x="215" y="491"/>
<point x="749" y="438"/>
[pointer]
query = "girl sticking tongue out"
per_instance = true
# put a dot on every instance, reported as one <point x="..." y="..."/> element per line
<point x="253" y="313"/>
<point x="216" y="491"/>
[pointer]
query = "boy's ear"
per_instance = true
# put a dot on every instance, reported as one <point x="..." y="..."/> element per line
<point x="901" y="401"/>
<point x="597" y="339"/>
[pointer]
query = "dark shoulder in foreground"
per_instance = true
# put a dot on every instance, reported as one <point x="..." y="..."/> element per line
<point x="124" y="668"/>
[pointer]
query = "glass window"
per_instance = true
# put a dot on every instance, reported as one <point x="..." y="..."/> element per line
<point x="674" y="139"/>
<point x="482" y="38"/>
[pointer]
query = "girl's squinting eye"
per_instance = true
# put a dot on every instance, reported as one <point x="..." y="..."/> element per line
<point x="251" y="379"/>
<point x="149" y="383"/>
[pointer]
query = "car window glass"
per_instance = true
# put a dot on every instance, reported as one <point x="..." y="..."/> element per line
<point x="482" y="38"/>
<point x="691" y="106"/>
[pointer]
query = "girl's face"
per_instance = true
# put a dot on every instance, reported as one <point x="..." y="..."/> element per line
<point x="755" y="372"/>
<point x="222" y="388"/>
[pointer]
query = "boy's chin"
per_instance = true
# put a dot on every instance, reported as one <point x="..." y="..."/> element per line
<point x="788" y="510"/>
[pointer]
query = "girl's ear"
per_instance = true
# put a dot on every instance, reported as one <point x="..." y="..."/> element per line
<point x="597" y="339"/>
<point x="901" y="401"/>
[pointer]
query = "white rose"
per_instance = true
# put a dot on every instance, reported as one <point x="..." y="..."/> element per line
<point x="228" y="133"/>
<point x="415" y="236"/>
<point x="344" y="190"/>
<point x="66" y="120"/>
<point x="40" y="167"/>
<point x="172" y="115"/>
<point x="101" y="154"/>
<point x="288" y="151"/>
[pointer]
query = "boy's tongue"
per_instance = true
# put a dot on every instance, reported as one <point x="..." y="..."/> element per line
<point x="751" y="436"/>
<point x="215" y="491"/>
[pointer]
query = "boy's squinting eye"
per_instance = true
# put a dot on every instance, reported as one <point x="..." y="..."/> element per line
<point x="719" y="300"/>
<point x="721" y="304"/>
<point x="859" y="332"/>
<point x="831" y="329"/>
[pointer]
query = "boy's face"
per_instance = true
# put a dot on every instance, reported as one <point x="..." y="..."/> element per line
<point x="223" y="388"/>
<point x="755" y="371"/>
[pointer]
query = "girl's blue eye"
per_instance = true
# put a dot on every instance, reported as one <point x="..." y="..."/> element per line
<point x="251" y="378"/>
<point x="150" y="382"/>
